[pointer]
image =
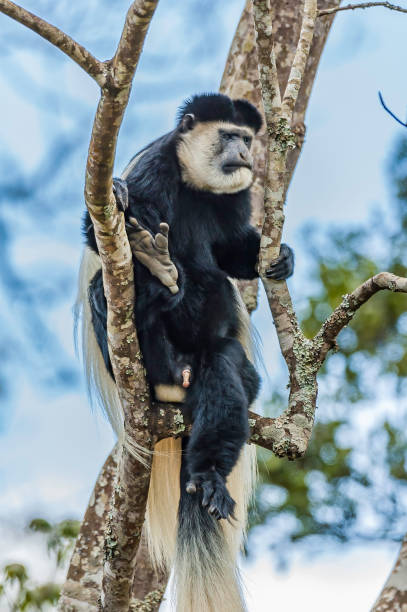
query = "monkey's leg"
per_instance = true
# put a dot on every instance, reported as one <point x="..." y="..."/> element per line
<point x="226" y="384"/>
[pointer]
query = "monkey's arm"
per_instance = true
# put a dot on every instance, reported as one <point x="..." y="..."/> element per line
<point x="238" y="258"/>
<point x="150" y="250"/>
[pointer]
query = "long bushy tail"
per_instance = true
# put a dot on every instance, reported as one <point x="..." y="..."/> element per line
<point x="206" y="575"/>
<point x="202" y="552"/>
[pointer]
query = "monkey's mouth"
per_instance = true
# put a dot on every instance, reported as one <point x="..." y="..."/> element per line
<point x="232" y="167"/>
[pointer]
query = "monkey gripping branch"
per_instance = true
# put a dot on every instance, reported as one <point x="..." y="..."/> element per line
<point x="287" y="434"/>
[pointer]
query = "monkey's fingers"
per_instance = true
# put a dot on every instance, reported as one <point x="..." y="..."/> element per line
<point x="157" y="269"/>
<point x="133" y="221"/>
<point x="161" y="241"/>
<point x="142" y="242"/>
<point x="164" y="229"/>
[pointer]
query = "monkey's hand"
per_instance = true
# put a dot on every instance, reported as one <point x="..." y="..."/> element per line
<point x="152" y="252"/>
<point x="282" y="267"/>
<point x="121" y="194"/>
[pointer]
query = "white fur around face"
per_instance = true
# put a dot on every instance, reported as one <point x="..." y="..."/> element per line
<point x="197" y="151"/>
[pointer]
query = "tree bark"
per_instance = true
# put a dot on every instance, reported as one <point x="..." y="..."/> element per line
<point x="81" y="590"/>
<point x="393" y="597"/>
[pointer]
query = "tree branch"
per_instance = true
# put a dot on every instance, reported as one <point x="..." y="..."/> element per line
<point x="300" y="60"/>
<point x="289" y="433"/>
<point x="294" y="426"/>
<point x="130" y="492"/>
<point x="125" y="60"/>
<point x="126" y="517"/>
<point x="241" y="79"/>
<point x="364" y="5"/>
<point x="394" y="594"/>
<point x="56" y="37"/>
<point x="84" y="579"/>
<point x="346" y="310"/>
<point x="168" y="420"/>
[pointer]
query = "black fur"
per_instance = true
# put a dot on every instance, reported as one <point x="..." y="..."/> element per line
<point x="217" y="107"/>
<point x="210" y="239"/>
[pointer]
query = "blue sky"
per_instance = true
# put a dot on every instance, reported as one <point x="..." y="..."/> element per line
<point x="51" y="445"/>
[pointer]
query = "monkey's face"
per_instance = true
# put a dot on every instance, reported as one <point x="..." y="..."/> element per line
<point x="215" y="156"/>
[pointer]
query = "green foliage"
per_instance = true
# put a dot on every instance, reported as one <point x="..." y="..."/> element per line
<point x="352" y="483"/>
<point x="17" y="590"/>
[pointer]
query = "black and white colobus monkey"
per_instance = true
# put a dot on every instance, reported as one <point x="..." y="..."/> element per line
<point x="197" y="180"/>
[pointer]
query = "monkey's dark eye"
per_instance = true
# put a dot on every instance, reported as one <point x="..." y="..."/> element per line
<point x="247" y="140"/>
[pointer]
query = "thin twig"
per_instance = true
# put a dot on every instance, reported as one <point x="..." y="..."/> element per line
<point x="386" y="108"/>
<point x="364" y="5"/>
<point x="56" y="37"/>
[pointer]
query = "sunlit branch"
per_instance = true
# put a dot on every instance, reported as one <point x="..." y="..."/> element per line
<point x="346" y="310"/>
<point x="300" y="60"/>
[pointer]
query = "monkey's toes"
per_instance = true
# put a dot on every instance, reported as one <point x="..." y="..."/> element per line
<point x="222" y="505"/>
<point x="215" y="496"/>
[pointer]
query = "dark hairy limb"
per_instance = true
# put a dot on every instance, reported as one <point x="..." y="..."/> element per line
<point x="239" y="258"/>
<point x="226" y="384"/>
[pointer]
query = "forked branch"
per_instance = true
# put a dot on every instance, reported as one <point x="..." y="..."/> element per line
<point x="289" y="433"/>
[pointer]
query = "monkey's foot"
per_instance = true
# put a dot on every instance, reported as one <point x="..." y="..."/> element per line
<point x="215" y="495"/>
<point x="153" y="253"/>
<point x="121" y="194"/>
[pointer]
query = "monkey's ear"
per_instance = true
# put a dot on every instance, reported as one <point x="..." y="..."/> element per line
<point x="187" y="122"/>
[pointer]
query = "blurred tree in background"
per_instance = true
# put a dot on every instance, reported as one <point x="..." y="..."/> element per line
<point x="352" y="483"/>
<point x="17" y="590"/>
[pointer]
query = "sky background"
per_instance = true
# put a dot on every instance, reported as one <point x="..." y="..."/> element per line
<point x="51" y="444"/>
